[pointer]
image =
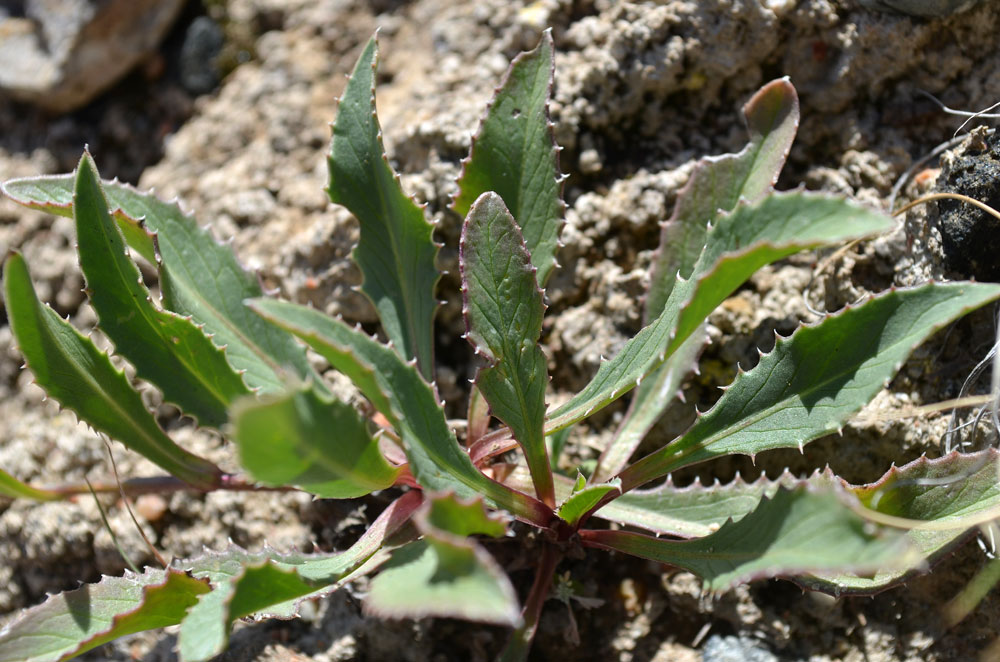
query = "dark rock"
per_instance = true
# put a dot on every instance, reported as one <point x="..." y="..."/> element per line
<point x="969" y="236"/>
<point x="925" y="8"/>
<point x="199" y="56"/>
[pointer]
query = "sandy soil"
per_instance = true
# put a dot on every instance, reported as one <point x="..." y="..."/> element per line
<point x="642" y="90"/>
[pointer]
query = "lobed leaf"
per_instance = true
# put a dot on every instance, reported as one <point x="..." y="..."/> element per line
<point x="514" y="154"/>
<point x="503" y="312"/>
<point x="74" y="622"/>
<point x="396" y="251"/>
<point x="198" y="276"/>
<point x="306" y="439"/>
<point x="167" y="350"/>
<point x="80" y="377"/>
<point x="716" y="185"/>
<point x="795" y="532"/>
<point x="812" y="382"/>
<point x="410" y="405"/>
<point x="446" y="573"/>
<point x="739" y="244"/>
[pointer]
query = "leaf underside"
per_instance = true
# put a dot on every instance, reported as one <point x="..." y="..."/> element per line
<point x="167" y="350"/>
<point x="198" y="276"/>
<point x="716" y="186"/>
<point x="396" y="251"/>
<point x="503" y="311"/>
<point x="812" y="382"/>
<point x="514" y="155"/>
<point x="71" y="370"/>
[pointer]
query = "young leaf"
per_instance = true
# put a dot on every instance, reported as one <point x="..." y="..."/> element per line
<point x="306" y="439"/>
<point x="446" y="573"/>
<point x="396" y="251"/>
<point x="166" y="349"/>
<point x="794" y="533"/>
<point x="738" y="245"/>
<point x="515" y="155"/>
<point x="400" y="394"/>
<point x="716" y="185"/>
<point x="81" y="378"/>
<point x="948" y="492"/>
<point x="814" y="381"/>
<point x="503" y="312"/>
<point x="198" y="276"/>
<point x="71" y="623"/>
<point x="583" y="499"/>
<point x="15" y="489"/>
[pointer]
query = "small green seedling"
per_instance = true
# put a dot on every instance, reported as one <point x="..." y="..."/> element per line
<point x="235" y="360"/>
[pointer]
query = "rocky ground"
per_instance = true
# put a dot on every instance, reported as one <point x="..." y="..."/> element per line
<point x="641" y="91"/>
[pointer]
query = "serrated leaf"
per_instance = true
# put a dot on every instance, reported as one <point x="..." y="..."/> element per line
<point x="306" y="439"/>
<point x="716" y="185"/>
<point x="80" y="377"/>
<point x="272" y="584"/>
<point x="15" y="489"/>
<point x="74" y="622"/>
<point x="583" y="499"/>
<point x="167" y="350"/>
<point x="503" y="311"/>
<point x="446" y="573"/>
<point x="739" y="244"/>
<point x="814" y="381"/>
<point x="396" y="251"/>
<point x="198" y="276"/>
<point x="400" y="394"/>
<point x="514" y="154"/>
<point x="796" y="532"/>
<point x="947" y="491"/>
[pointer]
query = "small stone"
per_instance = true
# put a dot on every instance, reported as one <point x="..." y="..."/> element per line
<point x="151" y="507"/>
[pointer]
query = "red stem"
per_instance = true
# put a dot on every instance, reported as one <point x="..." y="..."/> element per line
<point x="520" y="640"/>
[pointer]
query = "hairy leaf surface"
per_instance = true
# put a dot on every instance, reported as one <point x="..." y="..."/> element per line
<point x="503" y="311"/>
<point x="796" y="532"/>
<point x="74" y="622"/>
<point x="515" y="155"/>
<point x="167" y="350"/>
<point x="815" y="380"/>
<point x="396" y="251"/>
<point x="738" y="245"/>
<point x="198" y="276"/>
<point x="398" y="391"/>
<point x="80" y="377"/>
<point x="306" y="439"/>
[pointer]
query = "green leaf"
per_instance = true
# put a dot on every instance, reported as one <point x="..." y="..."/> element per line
<point x="796" y="532"/>
<point x="167" y="350"/>
<point x="718" y="183"/>
<point x="198" y="276"/>
<point x="81" y="378"/>
<point x="947" y="492"/>
<point x="71" y="623"/>
<point x="738" y="245"/>
<point x="410" y="405"/>
<point x="272" y="584"/>
<point x="503" y="312"/>
<point x="447" y="573"/>
<point x="15" y="489"/>
<point x="583" y="499"/>
<point x="814" y="381"/>
<point x="306" y="439"/>
<point x="515" y="155"/>
<point x="396" y="251"/>
<point x="716" y="186"/>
